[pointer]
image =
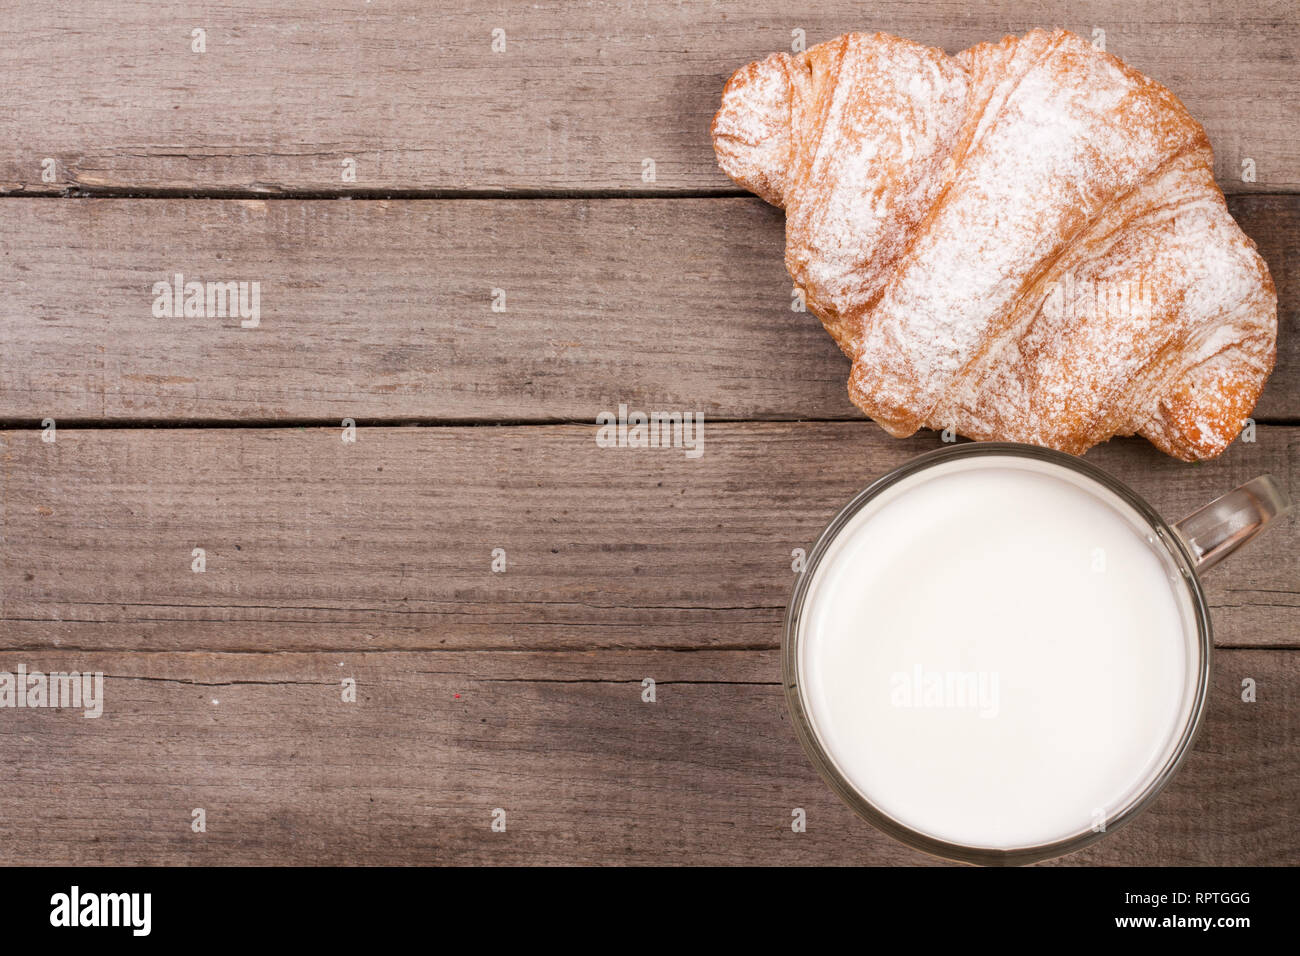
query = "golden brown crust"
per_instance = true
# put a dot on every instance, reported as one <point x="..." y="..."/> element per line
<point x="1024" y="242"/>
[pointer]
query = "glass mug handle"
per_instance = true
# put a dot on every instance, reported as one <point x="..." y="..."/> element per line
<point x="1225" y="524"/>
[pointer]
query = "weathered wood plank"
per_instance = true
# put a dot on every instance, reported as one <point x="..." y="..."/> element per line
<point x="580" y="96"/>
<point x="384" y="310"/>
<point x="314" y="544"/>
<point x="585" y="771"/>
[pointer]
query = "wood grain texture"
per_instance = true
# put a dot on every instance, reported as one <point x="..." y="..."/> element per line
<point x="581" y="95"/>
<point x="383" y="310"/>
<point x="709" y="773"/>
<point x="325" y="560"/>
<point x="314" y="544"/>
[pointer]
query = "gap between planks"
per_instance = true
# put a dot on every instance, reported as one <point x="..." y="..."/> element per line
<point x="165" y="424"/>
<point x="445" y="195"/>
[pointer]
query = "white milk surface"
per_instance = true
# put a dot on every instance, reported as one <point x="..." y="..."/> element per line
<point x="995" y="653"/>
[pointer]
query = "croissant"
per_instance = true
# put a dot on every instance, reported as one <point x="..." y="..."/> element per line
<point x="1024" y="242"/>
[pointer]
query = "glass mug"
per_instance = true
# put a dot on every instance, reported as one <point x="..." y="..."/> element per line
<point x="998" y="653"/>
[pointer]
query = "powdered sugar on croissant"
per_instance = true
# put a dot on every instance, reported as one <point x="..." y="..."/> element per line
<point x="1024" y="242"/>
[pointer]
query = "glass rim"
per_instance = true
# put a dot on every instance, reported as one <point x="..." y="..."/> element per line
<point x="858" y="802"/>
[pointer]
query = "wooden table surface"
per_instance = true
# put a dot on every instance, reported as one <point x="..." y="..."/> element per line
<point x="507" y="269"/>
